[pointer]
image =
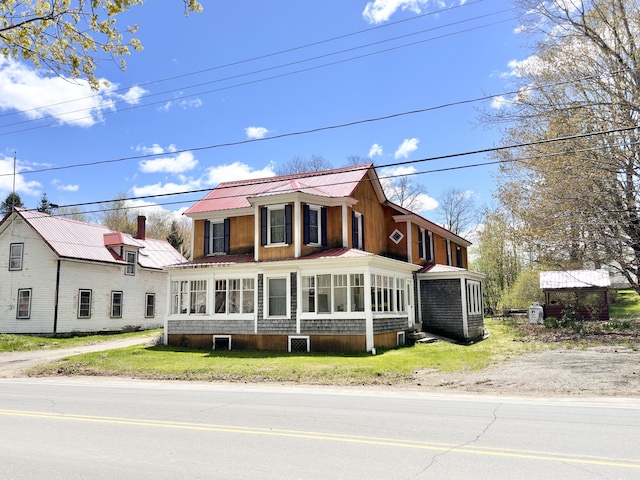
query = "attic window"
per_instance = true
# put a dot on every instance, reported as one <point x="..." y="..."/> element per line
<point x="396" y="237"/>
<point x="130" y="258"/>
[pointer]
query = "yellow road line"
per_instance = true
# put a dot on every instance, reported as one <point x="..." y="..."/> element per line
<point x="378" y="441"/>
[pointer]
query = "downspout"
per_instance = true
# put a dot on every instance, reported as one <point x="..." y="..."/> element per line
<point x="55" y="306"/>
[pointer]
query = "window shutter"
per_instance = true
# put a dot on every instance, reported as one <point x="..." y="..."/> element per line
<point x="305" y="223"/>
<point x="207" y="233"/>
<point x="227" y="235"/>
<point x="458" y="257"/>
<point x="323" y="226"/>
<point x="362" y="230"/>
<point x="421" y="250"/>
<point x="287" y="224"/>
<point x="263" y="226"/>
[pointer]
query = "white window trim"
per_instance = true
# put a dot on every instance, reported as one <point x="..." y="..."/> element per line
<point x="265" y="289"/>
<point x="349" y="312"/>
<point x="358" y="216"/>
<point x="28" y="316"/>
<point x="113" y="293"/>
<point x="146" y="305"/>
<point x="393" y="287"/>
<point x="474" y="297"/>
<point x="80" y="299"/>
<point x="299" y="337"/>
<point x="130" y="267"/>
<point x="228" y="337"/>
<point x="11" y="256"/>
<point x="211" y="239"/>
<point x="269" y="242"/>
<point x="239" y="315"/>
<point x="401" y="338"/>
<point x="424" y="254"/>
<point x="393" y="235"/>
<point x="317" y="209"/>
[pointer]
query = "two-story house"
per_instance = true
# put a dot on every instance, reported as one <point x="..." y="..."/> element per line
<point x="59" y="275"/>
<point x="318" y="262"/>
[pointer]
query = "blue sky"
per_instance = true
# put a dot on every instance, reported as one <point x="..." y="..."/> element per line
<point x="195" y="89"/>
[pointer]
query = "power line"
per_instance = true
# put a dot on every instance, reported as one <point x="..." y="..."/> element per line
<point x="260" y="57"/>
<point x="273" y="77"/>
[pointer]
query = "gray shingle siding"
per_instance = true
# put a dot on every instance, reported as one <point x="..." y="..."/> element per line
<point x="333" y="326"/>
<point x="441" y="303"/>
<point x="384" y="325"/>
<point x="475" y="325"/>
<point x="210" y="327"/>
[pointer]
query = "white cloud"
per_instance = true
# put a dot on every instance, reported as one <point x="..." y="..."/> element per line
<point x="375" y="150"/>
<point x="428" y="203"/>
<point x="65" y="188"/>
<point x="6" y="179"/>
<point x="407" y="147"/>
<point x="182" y="162"/>
<point x="39" y="95"/>
<point x="160" y="189"/>
<point x="256" y="132"/>
<point x="237" y="171"/>
<point x="498" y="102"/>
<point x="183" y="104"/>
<point x="380" y="11"/>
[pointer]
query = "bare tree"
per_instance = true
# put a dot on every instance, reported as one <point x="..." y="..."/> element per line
<point x="299" y="164"/>
<point x="457" y="210"/>
<point x="404" y="192"/>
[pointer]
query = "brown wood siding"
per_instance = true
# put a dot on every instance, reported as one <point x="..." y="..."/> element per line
<point x="242" y="233"/>
<point x="334" y="227"/>
<point x="277" y="343"/>
<point x="439" y="249"/>
<point x="415" y="252"/>
<point x="374" y="218"/>
<point x="387" y="340"/>
<point x="198" y="239"/>
<point x="397" y="251"/>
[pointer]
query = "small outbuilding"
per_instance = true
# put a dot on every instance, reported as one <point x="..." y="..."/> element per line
<point x="580" y="293"/>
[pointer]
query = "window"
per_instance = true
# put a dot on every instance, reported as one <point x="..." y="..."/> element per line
<point x="357" y="292"/>
<point x="328" y="293"/>
<point x="116" y="304"/>
<point x="275" y="225"/>
<point x="425" y="245"/>
<point x="198" y="293"/>
<point x="216" y="237"/>
<point x="24" y="303"/>
<point x="234" y="295"/>
<point x="277" y="297"/>
<point x="357" y="230"/>
<point x="449" y="252"/>
<point x="314" y="222"/>
<point x="130" y="258"/>
<point x="459" y="257"/>
<point x="474" y="297"/>
<point x="179" y="295"/>
<point x="84" y="304"/>
<point x="150" y="305"/>
<point x="15" y="256"/>
<point x="385" y="296"/>
<point x="396" y="237"/>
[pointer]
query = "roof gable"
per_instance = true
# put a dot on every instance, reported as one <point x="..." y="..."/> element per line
<point x="336" y="183"/>
<point x="88" y="241"/>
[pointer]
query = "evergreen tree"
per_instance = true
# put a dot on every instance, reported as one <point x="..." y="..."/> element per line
<point x="12" y="200"/>
<point x="44" y="206"/>
<point x="175" y="237"/>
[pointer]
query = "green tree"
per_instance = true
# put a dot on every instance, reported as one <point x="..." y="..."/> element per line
<point x="12" y="200"/>
<point x="497" y="256"/>
<point x="69" y="36"/>
<point x="45" y="206"/>
<point x="175" y="237"/>
<point x="524" y="291"/>
<point x="574" y="189"/>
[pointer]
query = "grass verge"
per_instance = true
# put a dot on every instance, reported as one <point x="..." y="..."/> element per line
<point x="16" y="343"/>
<point x="626" y="305"/>
<point x="393" y="366"/>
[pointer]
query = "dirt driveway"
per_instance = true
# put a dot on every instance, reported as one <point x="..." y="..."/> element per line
<point x="12" y="364"/>
<point x="593" y="371"/>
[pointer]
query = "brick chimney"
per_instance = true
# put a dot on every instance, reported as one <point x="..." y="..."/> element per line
<point x="142" y="229"/>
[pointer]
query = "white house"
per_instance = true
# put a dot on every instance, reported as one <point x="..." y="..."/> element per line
<point x="59" y="275"/>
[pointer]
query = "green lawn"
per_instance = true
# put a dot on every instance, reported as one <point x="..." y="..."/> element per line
<point x="626" y="305"/>
<point x="14" y="343"/>
<point x="388" y="367"/>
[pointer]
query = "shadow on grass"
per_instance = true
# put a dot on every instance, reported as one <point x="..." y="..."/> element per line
<point x="259" y="353"/>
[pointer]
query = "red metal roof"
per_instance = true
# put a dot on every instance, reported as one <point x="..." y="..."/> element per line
<point x="87" y="241"/>
<point x="336" y="183"/>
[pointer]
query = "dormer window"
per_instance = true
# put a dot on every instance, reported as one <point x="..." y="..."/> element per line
<point x="314" y="223"/>
<point x="275" y="225"/>
<point x="131" y="259"/>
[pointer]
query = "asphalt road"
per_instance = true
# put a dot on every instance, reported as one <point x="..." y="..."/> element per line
<point x="107" y="429"/>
